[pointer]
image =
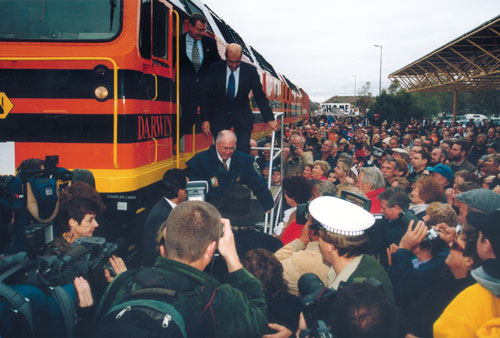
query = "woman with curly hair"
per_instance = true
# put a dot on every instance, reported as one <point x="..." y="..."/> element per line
<point x="282" y="307"/>
<point x="320" y="170"/>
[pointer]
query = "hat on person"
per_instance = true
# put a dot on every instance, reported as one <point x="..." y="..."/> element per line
<point x="238" y="206"/>
<point x="481" y="199"/>
<point x="339" y="216"/>
<point x="400" y="151"/>
<point x="443" y="170"/>
<point x="386" y="140"/>
<point x="489" y="225"/>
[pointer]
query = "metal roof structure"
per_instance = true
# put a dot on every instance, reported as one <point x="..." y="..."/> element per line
<point x="470" y="62"/>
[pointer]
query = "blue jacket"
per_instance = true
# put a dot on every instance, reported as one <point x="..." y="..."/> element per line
<point x="207" y="167"/>
<point x="409" y="282"/>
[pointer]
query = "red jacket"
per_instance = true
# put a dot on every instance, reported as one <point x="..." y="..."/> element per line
<point x="373" y="196"/>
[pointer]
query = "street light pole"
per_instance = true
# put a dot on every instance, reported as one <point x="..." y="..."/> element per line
<point x="380" y="75"/>
<point x="354" y="76"/>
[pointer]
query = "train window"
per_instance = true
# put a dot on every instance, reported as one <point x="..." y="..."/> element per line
<point x="60" y="20"/>
<point x="160" y="30"/>
<point x="145" y="31"/>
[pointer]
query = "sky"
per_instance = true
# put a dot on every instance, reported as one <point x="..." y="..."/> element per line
<point x="320" y="44"/>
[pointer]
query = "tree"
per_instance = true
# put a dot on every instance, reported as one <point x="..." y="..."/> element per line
<point x="364" y="99"/>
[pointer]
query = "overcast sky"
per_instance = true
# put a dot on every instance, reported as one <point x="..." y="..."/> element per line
<point x="320" y="44"/>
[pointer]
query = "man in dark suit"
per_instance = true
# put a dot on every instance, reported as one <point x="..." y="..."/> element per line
<point x="225" y="97"/>
<point x="221" y="166"/>
<point x="196" y="53"/>
<point x="174" y="192"/>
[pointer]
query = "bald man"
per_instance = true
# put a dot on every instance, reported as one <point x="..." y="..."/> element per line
<point x="225" y="102"/>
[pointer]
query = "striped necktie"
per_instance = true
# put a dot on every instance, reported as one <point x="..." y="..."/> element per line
<point x="224" y="162"/>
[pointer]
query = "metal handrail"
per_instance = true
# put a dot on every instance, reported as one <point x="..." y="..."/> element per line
<point x="177" y="98"/>
<point x="279" y="115"/>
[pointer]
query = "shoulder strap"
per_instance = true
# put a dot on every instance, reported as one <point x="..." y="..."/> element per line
<point x="18" y="303"/>
<point x="207" y="317"/>
<point x="111" y="292"/>
<point x="66" y="307"/>
<point x="32" y="203"/>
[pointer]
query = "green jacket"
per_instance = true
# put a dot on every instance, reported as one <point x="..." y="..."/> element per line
<point x="369" y="267"/>
<point x="239" y="305"/>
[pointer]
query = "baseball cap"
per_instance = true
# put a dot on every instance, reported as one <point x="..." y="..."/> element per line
<point x="443" y="170"/>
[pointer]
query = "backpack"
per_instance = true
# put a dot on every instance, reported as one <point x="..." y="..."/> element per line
<point x="140" y="303"/>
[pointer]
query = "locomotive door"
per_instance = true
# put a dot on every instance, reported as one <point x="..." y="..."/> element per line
<point x="156" y="120"/>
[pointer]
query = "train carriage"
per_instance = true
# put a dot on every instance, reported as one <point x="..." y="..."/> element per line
<point x="95" y="82"/>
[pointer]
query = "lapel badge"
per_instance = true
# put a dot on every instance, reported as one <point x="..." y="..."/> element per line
<point x="214" y="181"/>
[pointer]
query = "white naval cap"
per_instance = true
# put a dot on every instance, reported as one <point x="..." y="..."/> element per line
<point x="339" y="216"/>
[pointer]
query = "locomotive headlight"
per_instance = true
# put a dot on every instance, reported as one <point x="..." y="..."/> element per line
<point x="101" y="93"/>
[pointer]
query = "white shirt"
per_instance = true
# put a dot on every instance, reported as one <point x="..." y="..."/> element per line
<point x="236" y="78"/>
<point x="172" y="204"/>
<point x="228" y="161"/>
<point x="189" y="48"/>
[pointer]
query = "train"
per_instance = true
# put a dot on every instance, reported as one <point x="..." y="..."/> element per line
<point x="95" y="83"/>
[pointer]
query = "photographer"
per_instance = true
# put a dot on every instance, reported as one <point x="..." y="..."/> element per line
<point x="80" y="204"/>
<point x="343" y="242"/>
<point x="394" y="205"/>
<point x="412" y="276"/>
<point x="294" y="164"/>
<point x="419" y="316"/>
<point x="192" y="233"/>
<point x="302" y="256"/>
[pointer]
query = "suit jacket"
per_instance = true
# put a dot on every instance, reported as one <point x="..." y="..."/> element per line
<point x="215" y="105"/>
<point x="207" y="167"/>
<point x="191" y="80"/>
<point x="158" y="214"/>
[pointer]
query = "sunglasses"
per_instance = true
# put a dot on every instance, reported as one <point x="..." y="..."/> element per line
<point x="455" y="246"/>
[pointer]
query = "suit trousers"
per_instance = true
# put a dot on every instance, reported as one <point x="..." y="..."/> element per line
<point x="241" y="130"/>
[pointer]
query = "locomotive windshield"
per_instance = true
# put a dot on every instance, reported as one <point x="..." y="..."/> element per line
<point x="60" y="20"/>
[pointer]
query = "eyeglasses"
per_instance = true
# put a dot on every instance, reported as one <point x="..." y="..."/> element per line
<point x="455" y="246"/>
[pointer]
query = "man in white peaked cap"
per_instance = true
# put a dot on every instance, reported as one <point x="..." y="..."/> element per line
<point x="343" y="242"/>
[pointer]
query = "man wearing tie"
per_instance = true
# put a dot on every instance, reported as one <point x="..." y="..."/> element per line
<point x="196" y="52"/>
<point x="225" y="98"/>
<point x="221" y="166"/>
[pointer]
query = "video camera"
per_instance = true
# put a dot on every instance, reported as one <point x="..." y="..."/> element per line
<point x="316" y="299"/>
<point x="317" y="302"/>
<point x="88" y="257"/>
<point x="407" y="216"/>
<point x="49" y="170"/>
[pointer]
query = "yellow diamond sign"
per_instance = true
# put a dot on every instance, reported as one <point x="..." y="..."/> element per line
<point x="6" y="105"/>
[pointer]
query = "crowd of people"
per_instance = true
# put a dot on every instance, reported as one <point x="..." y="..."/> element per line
<point x="400" y="220"/>
<point x="428" y="236"/>
<point x="423" y="180"/>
